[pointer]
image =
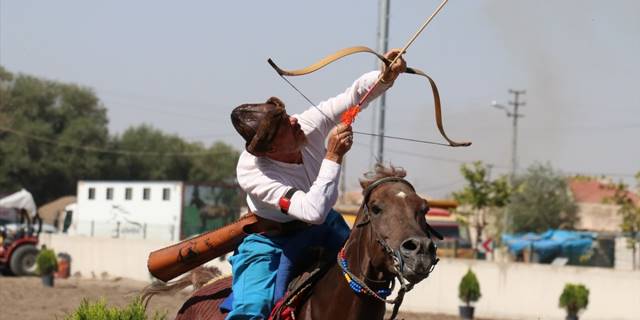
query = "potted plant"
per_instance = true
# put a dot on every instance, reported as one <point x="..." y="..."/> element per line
<point x="574" y="298"/>
<point x="468" y="292"/>
<point x="46" y="265"/>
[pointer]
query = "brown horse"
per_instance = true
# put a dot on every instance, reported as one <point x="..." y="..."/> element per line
<point x="390" y="239"/>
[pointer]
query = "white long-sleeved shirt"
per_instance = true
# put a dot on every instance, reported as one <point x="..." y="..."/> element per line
<point x="266" y="180"/>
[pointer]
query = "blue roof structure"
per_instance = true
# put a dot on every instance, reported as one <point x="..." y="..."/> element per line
<point x="551" y="244"/>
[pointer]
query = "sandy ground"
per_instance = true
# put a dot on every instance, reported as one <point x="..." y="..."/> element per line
<point x="25" y="298"/>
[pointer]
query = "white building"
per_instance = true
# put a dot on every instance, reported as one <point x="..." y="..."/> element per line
<point x="119" y="209"/>
<point x="160" y="210"/>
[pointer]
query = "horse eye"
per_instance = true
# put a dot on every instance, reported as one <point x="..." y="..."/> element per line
<point x="376" y="210"/>
<point x="423" y="211"/>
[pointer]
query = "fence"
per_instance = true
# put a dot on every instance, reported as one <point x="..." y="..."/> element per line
<point x="124" y="230"/>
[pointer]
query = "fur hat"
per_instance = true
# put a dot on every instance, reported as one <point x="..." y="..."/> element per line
<point x="258" y="123"/>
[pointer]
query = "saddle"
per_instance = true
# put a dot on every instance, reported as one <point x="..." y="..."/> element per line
<point x="299" y="291"/>
<point x="211" y="301"/>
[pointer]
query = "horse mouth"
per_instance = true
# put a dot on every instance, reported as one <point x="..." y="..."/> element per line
<point x="419" y="268"/>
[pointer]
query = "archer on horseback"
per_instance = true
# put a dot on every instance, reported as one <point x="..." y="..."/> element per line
<point x="291" y="182"/>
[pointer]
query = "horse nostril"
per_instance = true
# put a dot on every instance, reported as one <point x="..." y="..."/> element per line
<point x="431" y="247"/>
<point x="410" y="245"/>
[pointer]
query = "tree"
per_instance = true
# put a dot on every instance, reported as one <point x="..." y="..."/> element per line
<point x="218" y="164"/>
<point x="630" y="212"/>
<point x="53" y="134"/>
<point x="540" y="201"/>
<point x="42" y="123"/>
<point x="481" y="196"/>
<point x="5" y="79"/>
<point x="143" y="152"/>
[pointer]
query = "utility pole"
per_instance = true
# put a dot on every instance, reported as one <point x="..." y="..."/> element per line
<point x="516" y="104"/>
<point x="515" y="115"/>
<point x="382" y="47"/>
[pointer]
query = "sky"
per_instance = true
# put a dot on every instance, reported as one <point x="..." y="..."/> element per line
<point x="183" y="66"/>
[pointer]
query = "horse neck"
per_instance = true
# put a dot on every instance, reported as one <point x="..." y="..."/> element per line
<point x="334" y="288"/>
<point x="359" y="251"/>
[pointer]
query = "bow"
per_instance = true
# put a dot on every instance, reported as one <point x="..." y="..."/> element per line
<point x="361" y="49"/>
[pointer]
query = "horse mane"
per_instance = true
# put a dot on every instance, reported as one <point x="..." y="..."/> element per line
<point x="380" y="171"/>
<point x="197" y="278"/>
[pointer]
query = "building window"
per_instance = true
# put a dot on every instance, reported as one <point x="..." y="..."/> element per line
<point x="92" y="193"/>
<point x="146" y="194"/>
<point x="166" y="194"/>
<point x="109" y="193"/>
<point x="128" y="194"/>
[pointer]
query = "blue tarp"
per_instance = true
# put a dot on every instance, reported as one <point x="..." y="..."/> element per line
<point x="553" y="243"/>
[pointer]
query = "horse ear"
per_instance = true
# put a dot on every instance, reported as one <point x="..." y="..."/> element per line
<point x="365" y="184"/>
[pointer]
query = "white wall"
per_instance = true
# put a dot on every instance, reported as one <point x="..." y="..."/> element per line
<point x="624" y="255"/>
<point x="528" y="291"/>
<point x="107" y="217"/>
<point x="91" y="256"/>
<point x="509" y="290"/>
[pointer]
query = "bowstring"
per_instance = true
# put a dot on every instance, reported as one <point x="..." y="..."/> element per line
<point x="358" y="132"/>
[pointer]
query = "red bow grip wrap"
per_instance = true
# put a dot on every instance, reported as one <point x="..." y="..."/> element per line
<point x="350" y="115"/>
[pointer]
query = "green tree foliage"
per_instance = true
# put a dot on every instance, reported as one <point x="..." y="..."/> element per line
<point x="53" y="134"/>
<point x="150" y="154"/>
<point x="41" y="117"/>
<point x="100" y="311"/>
<point x="630" y="212"/>
<point x="483" y="197"/>
<point x="469" y="288"/>
<point x="217" y="164"/>
<point x="5" y="79"/>
<point x="540" y="201"/>
<point x="574" y="298"/>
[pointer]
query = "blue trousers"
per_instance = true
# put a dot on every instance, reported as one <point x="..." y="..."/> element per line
<point x="261" y="265"/>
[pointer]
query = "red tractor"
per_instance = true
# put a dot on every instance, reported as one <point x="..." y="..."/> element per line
<point x="18" y="238"/>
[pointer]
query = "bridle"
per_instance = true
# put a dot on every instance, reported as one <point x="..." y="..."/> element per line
<point x="359" y="285"/>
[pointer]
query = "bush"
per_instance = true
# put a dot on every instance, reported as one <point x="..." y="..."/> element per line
<point x="574" y="298"/>
<point x="46" y="262"/>
<point x="469" y="289"/>
<point x="99" y="311"/>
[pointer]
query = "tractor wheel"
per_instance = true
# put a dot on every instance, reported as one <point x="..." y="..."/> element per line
<point x="23" y="260"/>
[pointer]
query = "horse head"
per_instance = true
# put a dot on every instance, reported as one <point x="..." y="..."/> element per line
<point x="392" y="216"/>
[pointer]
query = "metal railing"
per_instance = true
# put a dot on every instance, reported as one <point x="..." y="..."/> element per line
<point x="124" y="230"/>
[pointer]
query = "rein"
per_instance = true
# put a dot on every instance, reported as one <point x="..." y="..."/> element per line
<point x="359" y="286"/>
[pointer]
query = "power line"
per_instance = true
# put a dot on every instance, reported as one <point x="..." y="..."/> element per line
<point x="221" y="152"/>
<point x="113" y="151"/>
<point x="155" y="109"/>
<point x="443" y="186"/>
<point x="498" y="166"/>
<point x="424" y="156"/>
<point x="156" y="99"/>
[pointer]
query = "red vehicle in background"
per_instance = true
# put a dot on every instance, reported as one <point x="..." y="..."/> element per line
<point x="18" y="237"/>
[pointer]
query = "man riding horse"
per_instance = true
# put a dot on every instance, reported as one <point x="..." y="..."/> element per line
<point x="291" y="182"/>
